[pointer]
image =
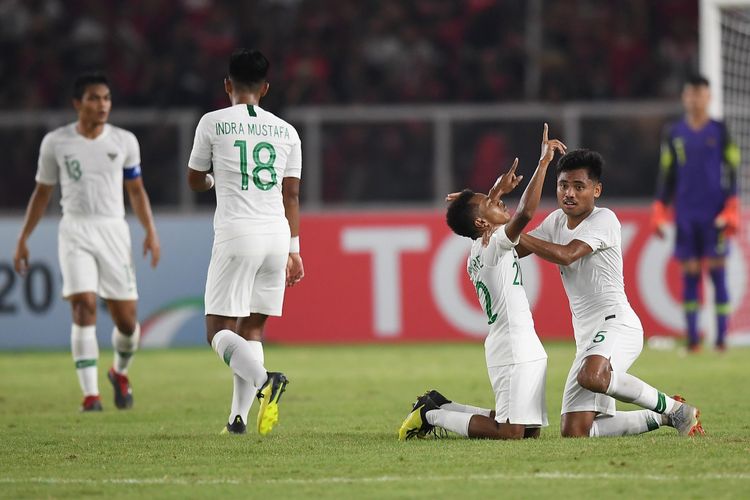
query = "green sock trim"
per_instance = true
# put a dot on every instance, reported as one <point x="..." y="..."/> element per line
<point x="85" y="363"/>
<point x="661" y="404"/>
<point x="690" y="306"/>
<point x="228" y="353"/>
<point x="651" y="423"/>
<point x="125" y="355"/>
<point x="723" y="309"/>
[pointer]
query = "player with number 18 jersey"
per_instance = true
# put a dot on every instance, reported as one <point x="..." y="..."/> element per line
<point x="250" y="150"/>
<point x="256" y="159"/>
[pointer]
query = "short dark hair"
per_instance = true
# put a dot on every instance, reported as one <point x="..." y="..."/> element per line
<point x="84" y="80"/>
<point x="697" y="80"/>
<point x="248" y="67"/>
<point x="461" y="215"/>
<point x="581" y="158"/>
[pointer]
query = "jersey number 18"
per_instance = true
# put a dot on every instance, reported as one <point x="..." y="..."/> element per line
<point x="260" y="165"/>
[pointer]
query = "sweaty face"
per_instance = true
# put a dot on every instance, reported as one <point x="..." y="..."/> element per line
<point x="695" y="98"/>
<point x="492" y="212"/>
<point x="95" y="104"/>
<point x="576" y="193"/>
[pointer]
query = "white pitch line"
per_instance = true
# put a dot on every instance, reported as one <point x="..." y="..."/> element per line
<point x="377" y="479"/>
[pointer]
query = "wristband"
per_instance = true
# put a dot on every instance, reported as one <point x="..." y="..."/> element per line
<point x="210" y="180"/>
<point x="294" y="244"/>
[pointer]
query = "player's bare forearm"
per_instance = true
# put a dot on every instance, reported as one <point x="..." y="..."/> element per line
<point x="34" y="212"/>
<point x="290" y="194"/>
<point x="521" y="250"/>
<point x="200" y="181"/>
<point x="533" y="192"/>
<point x="563" y="255"/>
<point x="141" y="204"/>
<point x="35" y="209"/>
<point x="142" y="208"/>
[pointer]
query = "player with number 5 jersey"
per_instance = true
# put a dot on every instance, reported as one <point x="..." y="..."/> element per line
<point x="253" y="160"/>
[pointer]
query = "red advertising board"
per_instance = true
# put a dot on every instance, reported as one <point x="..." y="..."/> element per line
<point x="402" y="277"/>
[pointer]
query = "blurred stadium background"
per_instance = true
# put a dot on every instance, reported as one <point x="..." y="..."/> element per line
<point x="397" y="103"/>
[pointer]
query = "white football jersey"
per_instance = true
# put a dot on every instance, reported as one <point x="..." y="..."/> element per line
<point x="90" y="171"/>
<point x="497" y="277"/>
<point x="251" y="151"/>
<point x="594" y="283"/>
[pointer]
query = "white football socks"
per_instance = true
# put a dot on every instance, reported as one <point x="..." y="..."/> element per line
<point x="453" y="421"/>
<point x="243" y="394"/>
<point x="625" y="423"/>
<point x="629" y="389"/>
<point x="243" y="359"/>
<point x="124" y="347"/>
<point x="85" y="350"/>
<point x="462" y="408"/>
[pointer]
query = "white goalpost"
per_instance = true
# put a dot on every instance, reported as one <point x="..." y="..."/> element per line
<point x="725" y="61"/>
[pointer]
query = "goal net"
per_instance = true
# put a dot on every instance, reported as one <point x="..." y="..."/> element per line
<point x="725" y="60"/>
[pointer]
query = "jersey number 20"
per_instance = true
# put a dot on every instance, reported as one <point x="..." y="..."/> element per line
<point x="260" y="165"/>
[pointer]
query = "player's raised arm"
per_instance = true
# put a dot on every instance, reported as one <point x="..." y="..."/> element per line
<point x="506" y="183"/>
<point x="142" y="207"/>
<point x="34" y="212"/>
<point x="533" y="192"/>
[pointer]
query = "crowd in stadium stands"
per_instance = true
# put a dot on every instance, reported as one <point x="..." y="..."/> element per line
<point x="172" y="53"/>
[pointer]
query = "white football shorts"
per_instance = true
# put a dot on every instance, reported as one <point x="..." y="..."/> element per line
<point x="95" y="256"/>
<point x="520" y="393"/>
<point x="247" y="275"/>
<point x="619" y="338"/>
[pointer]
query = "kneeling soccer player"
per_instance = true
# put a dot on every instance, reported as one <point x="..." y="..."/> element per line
<point x="516" y="360"/>
<point x="586" y="243"/>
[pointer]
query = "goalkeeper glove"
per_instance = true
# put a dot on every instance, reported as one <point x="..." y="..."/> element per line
<point x="729" y="218"/>
<point x="659" y="217"/>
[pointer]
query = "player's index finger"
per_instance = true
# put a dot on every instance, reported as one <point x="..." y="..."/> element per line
<point x="513" y="167"/>
<point x="544" y="134"/>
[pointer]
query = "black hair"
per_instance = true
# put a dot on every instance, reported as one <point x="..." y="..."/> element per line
<point x="581" y="158"/>
<point x="461" y="215"/>
<point x="696" y="80"/>
<point x="84" y="80"/>
<point x="248" y="68"/>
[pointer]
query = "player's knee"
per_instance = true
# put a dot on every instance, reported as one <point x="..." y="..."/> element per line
<point x="574" y="432"/>
<point x="126" y="326"/>
<point x="509" y="431"/>
<point x="532" y="433"/>
<point x="592" y="379"/>
<point x="84" y="310"/>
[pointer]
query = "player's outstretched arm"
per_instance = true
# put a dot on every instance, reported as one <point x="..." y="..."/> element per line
<point x="142" y="208"/>
<point x="295" y="270"/>
<point x="533" y="192"/>
<point x="34" y="212"/>
<point x="563" y="255"/>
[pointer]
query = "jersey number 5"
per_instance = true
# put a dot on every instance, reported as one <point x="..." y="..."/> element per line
<point x="260" y="165"/>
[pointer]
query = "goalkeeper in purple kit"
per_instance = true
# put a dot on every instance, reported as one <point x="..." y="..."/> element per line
<point x="698" y="177"/>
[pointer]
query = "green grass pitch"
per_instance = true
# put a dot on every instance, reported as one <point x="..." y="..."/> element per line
<point x="337" y="433"/>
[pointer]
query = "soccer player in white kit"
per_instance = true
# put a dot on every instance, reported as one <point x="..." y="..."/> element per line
<point x="516" y="360"/>
<point x="256" y="159"/>
<point x="92" y="160"/>
<point x="585" y="242"/>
